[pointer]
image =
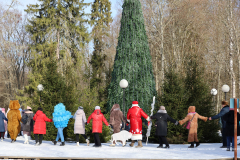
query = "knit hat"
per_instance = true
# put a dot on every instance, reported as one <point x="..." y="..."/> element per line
<point x="97" y="107"/>
<point x="0" y="109"/>
<point x="231" y="109"/>
<point x="3" y="109"/>
<point x="162" y="108"/>
<point x="134" y="103"/>
<point x="80" y="107"/>
<point x="39" y="108"/>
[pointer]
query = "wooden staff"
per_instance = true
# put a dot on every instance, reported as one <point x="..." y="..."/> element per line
<point x="235" y="128"/>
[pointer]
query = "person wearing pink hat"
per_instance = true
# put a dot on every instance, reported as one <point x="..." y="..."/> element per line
<point x="27" y="124"/>
<point x="5" y="122"/>
<point x="134" y="117"/>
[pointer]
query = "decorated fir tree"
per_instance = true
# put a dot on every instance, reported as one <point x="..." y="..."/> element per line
<point x="132" y="61"/>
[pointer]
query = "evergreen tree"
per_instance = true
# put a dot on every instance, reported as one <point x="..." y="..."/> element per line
<point x="100" y="20"/>
<point x="200" y="97"/>
<point x="132" y="61"/>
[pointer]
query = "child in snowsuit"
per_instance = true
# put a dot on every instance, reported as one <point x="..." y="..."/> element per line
<point x="229" y="119"/>
<point x="98" y="118"/>
<point x="116" y="118"/>
<point x="5" y="122"/>
<point x="39" y="128"/>
<point x="14" y="117"/>
<point x="194" y="116"/>
<point x="27" y="126"/>
<point x="60" y="119"/>
<point x="79" y="125"/>
<point x="162" y="117"/>
<point x="2" y="127"/>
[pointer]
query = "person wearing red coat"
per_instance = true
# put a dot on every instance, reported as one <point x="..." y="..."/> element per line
<point x="98" y="118"/>
<point x="134" y="117"/>
<point x="40" y="125"/>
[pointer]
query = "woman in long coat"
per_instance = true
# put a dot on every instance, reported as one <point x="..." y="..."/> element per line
<point x="161" y="123"/>
<point x="28" y="126"/>
<point x="79" y="125"/>
<point x="192" y="135"/>
<point x="2" y="127"/>
<point x="116" y="118"/>
<point x="40" y="125"/>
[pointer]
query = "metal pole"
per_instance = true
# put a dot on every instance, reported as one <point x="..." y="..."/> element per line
<point x="235" y="128"/>
<point x="225" y="96"/>
<point x="124" y="106"/>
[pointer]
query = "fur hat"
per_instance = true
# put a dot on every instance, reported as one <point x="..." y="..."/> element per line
<point x="162" y="108"/>
<point x="135" y="103"/>
<point x="97" y="107"/>
<point x="80" y="107"/>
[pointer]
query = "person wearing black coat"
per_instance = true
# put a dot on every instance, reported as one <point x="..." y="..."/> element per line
<point x="229" y="118"/>
<point x="2" y="127"/>
<point x="161" y="123"/>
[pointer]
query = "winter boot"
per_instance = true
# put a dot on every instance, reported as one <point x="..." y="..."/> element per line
<point x="54" y="142"/>
<point x="167" y="146"/>
<point x="132" y="144"/>
<point x="62" y="144"/>
<point x="197" y="144"/>
<point x="228" y="149"/>
<point x="139" y="144"/>
<point x="26" y="139"/>
<point x="37" y="144"/>
<point x="192" y="145"/>
<point x="160" y="146"/>
<point x="87" y="142"/>
<point x="77" y="144"/>
<point x="13" y="141"/>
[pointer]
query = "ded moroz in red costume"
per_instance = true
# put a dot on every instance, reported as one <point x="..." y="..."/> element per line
<point x="134" y="117"/>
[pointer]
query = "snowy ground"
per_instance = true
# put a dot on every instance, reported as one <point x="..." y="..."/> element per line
<point x="176" y="151"/>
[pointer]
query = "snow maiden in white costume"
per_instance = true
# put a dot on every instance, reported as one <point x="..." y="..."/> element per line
<point x="60" y="119"/>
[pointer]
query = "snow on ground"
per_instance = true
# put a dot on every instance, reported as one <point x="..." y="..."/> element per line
<point x="176" y="151"/>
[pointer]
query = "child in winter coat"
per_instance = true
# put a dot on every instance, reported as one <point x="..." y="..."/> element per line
<point x="193" y="117"/>
<point x="79" y="125"/>
<point x="60" y="119"/>
<point x="98" y="118"/>
<point x="27" y="124"/>
<point x="162" y="117"/>
<point x="116" y="118"/>
<point x="14" y="117"/>
<point x="2" y="127"/>
<point x="229" y="118"/>
<point x="39" y="128"/>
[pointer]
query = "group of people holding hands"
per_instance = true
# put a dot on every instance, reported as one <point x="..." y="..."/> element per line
<point x="36" y="123"/>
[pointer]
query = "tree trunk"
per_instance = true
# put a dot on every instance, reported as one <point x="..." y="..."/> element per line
<point x="58" y="41"/>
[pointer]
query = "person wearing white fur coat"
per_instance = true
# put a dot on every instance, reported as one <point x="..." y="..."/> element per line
<point x="79" y="125"/>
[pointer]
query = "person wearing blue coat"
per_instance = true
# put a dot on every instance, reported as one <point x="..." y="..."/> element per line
<point x="60" y="119"/>
<point x="223" y="111"/>
<point x="2" y="127"/>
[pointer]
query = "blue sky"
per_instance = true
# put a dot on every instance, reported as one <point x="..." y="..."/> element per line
<point x="24" y="4"/>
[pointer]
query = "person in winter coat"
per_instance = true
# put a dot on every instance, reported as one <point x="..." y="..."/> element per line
<point x="2" y="127"/>
<point x="224" y="110"/>
<point x="27" y="126"/>
<point x="39" y="128"/>
<point x="193" y="117"/>
<point x="60" y="119"/>
<point x="14" y="118"/>
<point x="79" y="125"/>
<point x="134" y="117"/>
<point x="116" y="118"/>
<point x="21" y="112"/>
<point x="161" y="123"/>
<point x="229" y="119"/>
<point x="5" y="123"/>
<point x="98" y="118"/>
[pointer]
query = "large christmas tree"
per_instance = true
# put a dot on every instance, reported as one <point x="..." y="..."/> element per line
<point x="132" y="61"/>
